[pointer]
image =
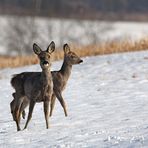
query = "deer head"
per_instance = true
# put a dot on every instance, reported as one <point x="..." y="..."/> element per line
<point x="44" y="56"/>
<point x="71" y="57"/>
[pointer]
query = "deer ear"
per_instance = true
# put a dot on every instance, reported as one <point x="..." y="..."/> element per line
<point x="37" y="50"/>
<point x="51" y="47"/>
<point x="66" y="48"/>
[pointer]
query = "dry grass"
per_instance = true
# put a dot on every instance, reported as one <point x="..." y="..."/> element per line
<point x="91" y="50"/>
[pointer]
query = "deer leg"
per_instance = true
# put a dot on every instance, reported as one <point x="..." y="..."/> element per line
<point x="46" y="112"/>
<point x="23" y="114"/>
<point x="16" y="114"/>
<point x="23" y="106"/>
<point x="31" y="107"/>
<point x="22" y="111"/>
<point x="13" y="105"/>
<point x="12" y="108"/>
<point x="60" y="98"/>
<point x="52" y="104"/>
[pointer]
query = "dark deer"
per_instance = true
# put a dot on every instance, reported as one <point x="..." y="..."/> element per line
<point x="60" y="79"/>
<point x="37" y="87"/>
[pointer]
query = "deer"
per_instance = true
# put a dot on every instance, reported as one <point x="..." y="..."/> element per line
<point x="60" y="79"/>
<point x="37" y="87"/>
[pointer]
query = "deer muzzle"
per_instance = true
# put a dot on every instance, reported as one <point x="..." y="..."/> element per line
<point x="80" y="61"/>
<point x="45" y="63"/>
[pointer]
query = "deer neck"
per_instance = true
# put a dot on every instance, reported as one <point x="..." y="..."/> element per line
<point x="46" y="76"/>
<point x="66" y="70"/>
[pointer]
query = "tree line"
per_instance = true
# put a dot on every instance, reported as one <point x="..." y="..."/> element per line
<point x="87" y="9"/>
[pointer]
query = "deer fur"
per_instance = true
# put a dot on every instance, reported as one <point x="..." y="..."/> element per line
<point x="60" y="79"/>
<point x="36" y="87"/>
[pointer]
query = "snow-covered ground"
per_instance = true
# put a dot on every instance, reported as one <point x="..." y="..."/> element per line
<point x="107" y="100"/>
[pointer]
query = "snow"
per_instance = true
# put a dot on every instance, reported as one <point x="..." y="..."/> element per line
<point x="107" y="101"/>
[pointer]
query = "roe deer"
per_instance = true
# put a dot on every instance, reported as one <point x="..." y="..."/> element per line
<point x="37" y="87"/>
<point x="60" y="79"/>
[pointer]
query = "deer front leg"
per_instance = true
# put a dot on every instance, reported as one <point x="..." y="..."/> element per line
<point x="60" y="98"/>
<point x="31" y="107"/>
<point x="52" y="104"/>
<point x="46" y="112"/>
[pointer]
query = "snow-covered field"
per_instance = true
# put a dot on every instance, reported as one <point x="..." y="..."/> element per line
<point x="107" y="100"/>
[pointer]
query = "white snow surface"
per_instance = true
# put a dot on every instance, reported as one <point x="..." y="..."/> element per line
<point x="107" y="102"/>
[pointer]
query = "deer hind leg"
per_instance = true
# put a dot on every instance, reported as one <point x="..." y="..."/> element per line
<point x="52" y="104"/>
<point x="23" y="106"/>
<point x="31" y="107"/>
<point x="60" y="98"/>
<point x="12" y="106"/>
<point x="23" y="114"/>
<point x="46" y="112"/>
<point x="16" y="114"/>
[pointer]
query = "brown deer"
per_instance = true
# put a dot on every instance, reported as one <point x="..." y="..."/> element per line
<point x="36" y="87"/>
<point x="60" y="79"/>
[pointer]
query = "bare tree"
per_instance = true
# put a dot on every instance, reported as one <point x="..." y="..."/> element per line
<point x="95" y="31"/>
<point x="20" y="34"/>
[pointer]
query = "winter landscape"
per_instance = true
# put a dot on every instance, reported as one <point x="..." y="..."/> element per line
<point x="107" y="100"/>
<point x="106" y="95"/>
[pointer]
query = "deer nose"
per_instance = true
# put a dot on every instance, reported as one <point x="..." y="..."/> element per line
<point x="80" y="61"/>
<point x="45" y="63"/>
